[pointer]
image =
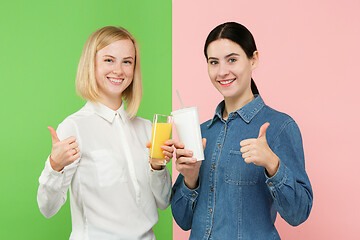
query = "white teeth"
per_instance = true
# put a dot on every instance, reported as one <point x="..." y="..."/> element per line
<point x="115" y="80"/>
<point x="226" y="82"/>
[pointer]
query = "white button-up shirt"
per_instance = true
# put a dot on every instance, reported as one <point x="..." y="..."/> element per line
<point x="114" y="193"/>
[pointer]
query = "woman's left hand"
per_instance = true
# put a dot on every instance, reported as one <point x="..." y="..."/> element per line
<point x="168" y="151"/>
<point x="257" y="151"/>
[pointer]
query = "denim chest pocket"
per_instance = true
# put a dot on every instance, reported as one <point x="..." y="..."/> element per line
<point x="108" y="167"/>
<point x="238" y="172"/>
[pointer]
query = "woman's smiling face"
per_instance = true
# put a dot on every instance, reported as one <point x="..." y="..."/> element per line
<point x="230" y="69"/>
<point x="114" y="69"/>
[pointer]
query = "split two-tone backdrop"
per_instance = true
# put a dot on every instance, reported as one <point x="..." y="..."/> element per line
<point x="309" y="57"/>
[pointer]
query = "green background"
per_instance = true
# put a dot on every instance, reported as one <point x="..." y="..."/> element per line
<point x="41" y="43"/>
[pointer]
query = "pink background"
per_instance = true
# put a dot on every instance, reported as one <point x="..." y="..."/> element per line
<point x="309" y="68"/>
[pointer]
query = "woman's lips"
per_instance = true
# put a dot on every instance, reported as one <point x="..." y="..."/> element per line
<point x="115" y="81"/>
<point x="226" y="82"/>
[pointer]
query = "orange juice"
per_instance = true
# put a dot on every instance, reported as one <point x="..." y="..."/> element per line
<point x="161" y="132"/>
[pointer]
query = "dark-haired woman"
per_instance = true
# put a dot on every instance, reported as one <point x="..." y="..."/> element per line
<point x="254" y="161"/>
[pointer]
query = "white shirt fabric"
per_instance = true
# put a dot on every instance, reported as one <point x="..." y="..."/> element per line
<point x="114" y="193"/>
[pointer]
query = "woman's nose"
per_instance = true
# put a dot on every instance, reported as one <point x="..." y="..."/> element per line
<point x="117" y="69"/>
<point x="223" y="70"/>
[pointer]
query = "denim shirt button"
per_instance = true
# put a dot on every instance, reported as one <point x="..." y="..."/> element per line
<point x="207" y="231"/>
<point x="193" y="195"/>
<point x="210" y="210"/>
<point x="271" y="184"/>
<point x="219" y="145"/>
<point x="212" y="189"/>
<point x="213" y="166"/>
<point x="233" y="114"/>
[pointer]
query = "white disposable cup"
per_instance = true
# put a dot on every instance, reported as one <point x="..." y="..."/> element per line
<point x="187" y="126"/>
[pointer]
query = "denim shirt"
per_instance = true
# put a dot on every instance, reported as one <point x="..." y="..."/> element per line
<point x="236" y="200"/>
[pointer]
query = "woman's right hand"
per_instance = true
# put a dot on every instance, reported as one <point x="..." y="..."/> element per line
<point x="187" y="165"/>
<point x="63" y="152"/>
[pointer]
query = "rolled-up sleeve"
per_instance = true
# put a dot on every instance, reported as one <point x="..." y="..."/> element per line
<point x="290" y="187"/>
<point x="160" y="183"/>
<point x="53" y="185"/>
<point x="183" y="203"/>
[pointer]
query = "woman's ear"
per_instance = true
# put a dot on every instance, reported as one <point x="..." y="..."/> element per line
<point x="254" y="60"/>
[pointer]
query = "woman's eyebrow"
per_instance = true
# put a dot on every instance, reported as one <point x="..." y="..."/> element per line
<point x="110" y="56"/>
<point x="229" y="55"/>
<point x="232" y="54"/>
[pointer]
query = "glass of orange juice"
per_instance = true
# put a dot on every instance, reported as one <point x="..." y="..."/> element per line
<point x="161" y="132"/>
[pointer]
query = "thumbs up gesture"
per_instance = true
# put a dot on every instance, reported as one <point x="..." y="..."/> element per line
<point x="258" y="152"/>
<point x="63" y="152"/>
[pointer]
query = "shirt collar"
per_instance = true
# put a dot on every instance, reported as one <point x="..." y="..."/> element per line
<point x="107" y="113"/>
<point x="247" y="112"/>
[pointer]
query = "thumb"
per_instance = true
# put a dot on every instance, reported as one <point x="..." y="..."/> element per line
<point x="54" y="136"/>
<point x="204" y="142"/>
<point x="262" y="132"/>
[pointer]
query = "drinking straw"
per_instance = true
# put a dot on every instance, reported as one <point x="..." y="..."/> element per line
<point x="178" y="94"/>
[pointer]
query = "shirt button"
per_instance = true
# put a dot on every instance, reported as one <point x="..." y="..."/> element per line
<point x="233" y="114"/>
<point x="225" y="127"/>
<point x="212" y="189"/>
<point x="219" y="145"/>
<point x="210" y="210"/>
<point x="115" y="114"/>
<point x="193" y="195"/>
<point x="207" y="232"/>
<point x="271" y="184"/>
<point x="213" y="166"/>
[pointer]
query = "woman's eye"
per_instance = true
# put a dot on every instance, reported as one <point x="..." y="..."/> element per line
<point x="108" y="60"/>
<point x="213" y="62"/>
<point x="232" y="60"/>
<point x="127" y="62"/>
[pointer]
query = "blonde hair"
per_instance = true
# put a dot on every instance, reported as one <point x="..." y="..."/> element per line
<point x="85" y="82"/>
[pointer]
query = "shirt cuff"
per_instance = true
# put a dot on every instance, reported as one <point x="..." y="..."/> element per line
<point x="188" y="193"/>
<point x="157" y="173"/>
<point x="51" y="178"/>
<point x="155" y="170"/>
<point x="50" y="170"/>
<point x="279" y="177"/>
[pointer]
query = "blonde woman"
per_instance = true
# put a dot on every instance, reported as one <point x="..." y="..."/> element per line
<point x="99" y="152"/>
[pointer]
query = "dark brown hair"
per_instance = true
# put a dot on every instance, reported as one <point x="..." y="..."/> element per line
<point x="238" y="34"/>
